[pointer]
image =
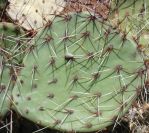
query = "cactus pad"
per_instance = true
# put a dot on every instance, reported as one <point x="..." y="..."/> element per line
<point x="5" y="88"/>
<point x="80" y="74"/>
<point x="10" y="57"/>
<point x="132" y="16"/>
<point x="33" y="14"/>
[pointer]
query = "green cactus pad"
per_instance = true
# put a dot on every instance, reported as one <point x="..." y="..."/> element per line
<point x="10" y="57"/>
<point x="79" y="75"/>
<point x="132" y="17"/>
<point x="11" y="42"/>
<point x="5" y="88"/>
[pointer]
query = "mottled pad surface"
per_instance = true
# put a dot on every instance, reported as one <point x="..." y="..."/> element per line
<point x="78" y="75"/>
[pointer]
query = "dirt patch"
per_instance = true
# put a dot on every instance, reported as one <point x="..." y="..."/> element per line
<point x="100" y="8"/>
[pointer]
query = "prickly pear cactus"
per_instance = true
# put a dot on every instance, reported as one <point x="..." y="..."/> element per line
<point x="131" y="16"/>
<point x="10" y="57"/>
<point x="34" y="14"/>
<point x="5" y="87"/>
<point x="79" y="75"/>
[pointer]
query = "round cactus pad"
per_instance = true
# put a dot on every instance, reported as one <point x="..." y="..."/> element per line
<point x="79" y="75"/>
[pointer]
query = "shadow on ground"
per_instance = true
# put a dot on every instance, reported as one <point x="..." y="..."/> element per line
<point x="22" y="125"/>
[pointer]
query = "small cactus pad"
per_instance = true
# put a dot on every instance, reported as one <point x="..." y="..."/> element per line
<point x="10" y="57"/>
<point x="33" y="14"/>
<point x="132" y="16"/>
<point x="79" y="75"/>
<point x="5" y="87"/>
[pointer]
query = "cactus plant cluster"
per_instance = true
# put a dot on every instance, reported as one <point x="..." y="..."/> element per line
<point x="80" y="73"/>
